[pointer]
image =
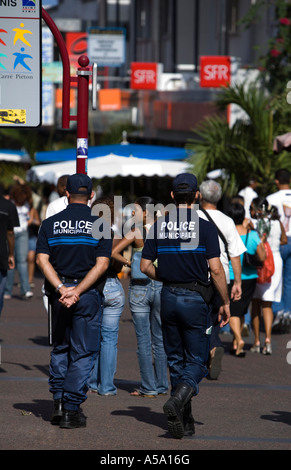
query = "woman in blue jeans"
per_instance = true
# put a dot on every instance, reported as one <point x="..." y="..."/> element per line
<point x="21" y="196"/>
<point x="102" y="376"/>
<point x="144" y="296"/>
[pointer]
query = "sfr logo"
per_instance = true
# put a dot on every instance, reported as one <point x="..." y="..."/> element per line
<point x="215" y="71"/>
<point x="144" y="76"/>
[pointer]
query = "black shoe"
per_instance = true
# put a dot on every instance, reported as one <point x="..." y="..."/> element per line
<point x="72" y="419"/>
<point x="189" y="427"/>
<point x="57" y="413"/>
<point x="174" y="409"/>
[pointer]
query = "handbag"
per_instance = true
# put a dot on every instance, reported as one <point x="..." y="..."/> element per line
<point x="251" y="261"/>
<point x="267" y="270"/>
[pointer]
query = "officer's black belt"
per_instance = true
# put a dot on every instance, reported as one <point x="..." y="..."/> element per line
<point x="99" y="284"/>
<point x="205" y="290"/>
<point x="70" y="280"/>
<point x="184" y="285"/>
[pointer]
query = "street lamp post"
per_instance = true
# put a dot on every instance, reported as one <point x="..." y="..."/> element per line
<point x="83" y="74"/>
<point x="82" y="114"/>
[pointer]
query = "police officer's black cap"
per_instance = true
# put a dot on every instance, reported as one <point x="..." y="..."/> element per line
<point x="79" y="184"/>
<point x="185" y="183"/>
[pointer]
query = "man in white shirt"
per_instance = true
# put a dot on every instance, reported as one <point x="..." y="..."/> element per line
<point x="230" y="249"/>
<point x="249" y="193"/>
<point x="56" y="206"/>
<point x="282" y="200"/>
<point x="59" y="204"/>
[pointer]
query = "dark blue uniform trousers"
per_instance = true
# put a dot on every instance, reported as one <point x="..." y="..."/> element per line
<point x="76" y="341"/>
<point x="186" y="334"/>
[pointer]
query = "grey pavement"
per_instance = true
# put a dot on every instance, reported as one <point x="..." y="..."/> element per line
<point x="247" y="408"/>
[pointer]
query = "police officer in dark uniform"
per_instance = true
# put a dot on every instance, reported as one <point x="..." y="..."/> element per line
<point x="188" y="254"/>
<point x="74" y="263"/>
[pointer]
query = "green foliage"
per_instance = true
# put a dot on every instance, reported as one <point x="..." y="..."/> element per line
<point x="254" y="13"/>
<point x="8" y="171"/>
<point x="275" y="64"/>
<point x="246" y="148"/>
<point x="32" y="140"/>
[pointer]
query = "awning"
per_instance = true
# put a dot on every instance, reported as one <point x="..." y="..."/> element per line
<point x="17" y="156"/>
<point x="151" y="152"/>
<point x="110" y="166"/>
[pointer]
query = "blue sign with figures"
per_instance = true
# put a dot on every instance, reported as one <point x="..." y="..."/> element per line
<point x="20" y="63"/>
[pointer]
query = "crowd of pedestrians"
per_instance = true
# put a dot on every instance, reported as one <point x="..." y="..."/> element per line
<point x="25" y="241"/>
<point x="247" y="224"/>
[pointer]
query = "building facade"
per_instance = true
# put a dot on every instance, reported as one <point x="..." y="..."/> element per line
<point x="174" y="34"/>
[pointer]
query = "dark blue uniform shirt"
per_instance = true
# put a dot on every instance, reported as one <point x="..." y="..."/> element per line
<point x="183" y="247"/>
<point x="67" y="238"/>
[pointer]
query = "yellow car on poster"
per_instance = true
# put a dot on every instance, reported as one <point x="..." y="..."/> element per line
<point x="12" y="116"/>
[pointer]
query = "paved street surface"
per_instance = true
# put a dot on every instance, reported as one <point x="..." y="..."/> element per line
<point x="249" y="407"/>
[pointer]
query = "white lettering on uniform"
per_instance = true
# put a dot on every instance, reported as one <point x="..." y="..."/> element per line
<point x="186" y="226"/>
<point x="175" y="230"/>
<point x="68" y="226"/>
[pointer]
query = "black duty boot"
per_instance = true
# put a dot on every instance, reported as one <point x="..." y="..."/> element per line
<point x="189" y="428"/>
<point x="72" y="419"/>
<point x="57" y="413"/>
<point x="174" y="409"/>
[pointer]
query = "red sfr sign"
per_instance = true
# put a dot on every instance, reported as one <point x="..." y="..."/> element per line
<point x="144" y="75"/>
<point x="215" y="71"/>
